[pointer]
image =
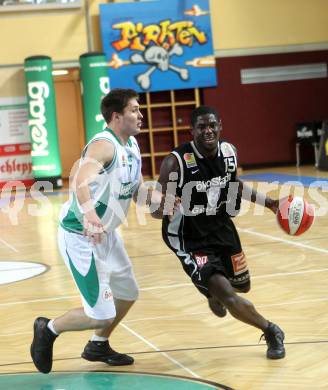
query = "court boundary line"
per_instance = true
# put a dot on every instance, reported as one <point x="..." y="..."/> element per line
<point x="282" y="240"/>
<point x="5" y="243"/>
<point x="173" y="350"/>
<point x="46" y="269"/>
<point x="153" y="346"/>
<point x="132" y="373"/>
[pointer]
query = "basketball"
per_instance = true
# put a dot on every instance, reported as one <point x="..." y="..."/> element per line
<point x="295" y="215"/>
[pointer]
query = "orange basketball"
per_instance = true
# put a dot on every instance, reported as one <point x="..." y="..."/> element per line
<point x="295" y="215"/>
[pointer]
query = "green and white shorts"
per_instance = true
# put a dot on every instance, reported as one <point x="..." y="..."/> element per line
<point x="101" y="272"/>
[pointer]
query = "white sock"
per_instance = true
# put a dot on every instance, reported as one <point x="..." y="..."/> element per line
<point x="51" y="327"/>
<point x="98" y="338"/>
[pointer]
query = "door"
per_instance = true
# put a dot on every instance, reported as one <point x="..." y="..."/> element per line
<point x="70" y="119"/>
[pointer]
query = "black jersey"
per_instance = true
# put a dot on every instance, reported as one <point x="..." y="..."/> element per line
<point x="208" y="189"/>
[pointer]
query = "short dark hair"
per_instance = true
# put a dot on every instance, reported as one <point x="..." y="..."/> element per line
<point x="115" y="101"/>
<point x="202" y="110"/>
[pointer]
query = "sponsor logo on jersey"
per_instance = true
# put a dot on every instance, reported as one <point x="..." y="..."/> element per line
<point x="201" y="259"/>
<point x="239" y="263"/>
<point x="130" y="161"/>
<point x="126" y="190"/>
<point x="190" y="160"/>
<point x="124" y="161"/>
<point x="214" y="182"/>
<point x="107" y="295"/>
<point x="240" y="279"/>
<point x="207" y="209"/>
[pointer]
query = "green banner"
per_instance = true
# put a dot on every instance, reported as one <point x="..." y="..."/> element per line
<point x="95" y="85"/>
<point x="46" y="164"/>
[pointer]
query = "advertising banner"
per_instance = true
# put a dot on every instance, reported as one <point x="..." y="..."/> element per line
<point x="15" y="145"/>
<point x="42" y="121"/>
<point x="158" y="45"/>
<point x="95" y="84"/>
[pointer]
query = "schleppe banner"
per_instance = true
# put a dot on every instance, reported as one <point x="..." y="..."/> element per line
<point x="15" y="146"/>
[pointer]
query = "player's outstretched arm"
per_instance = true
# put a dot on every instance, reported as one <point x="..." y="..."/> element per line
<point x="170" y="202"/>
<point x="147" y="195"/>
<point x="250" y="194"/>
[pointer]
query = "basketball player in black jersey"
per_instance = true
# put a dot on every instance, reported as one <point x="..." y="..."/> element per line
<point x="203" y="174"/>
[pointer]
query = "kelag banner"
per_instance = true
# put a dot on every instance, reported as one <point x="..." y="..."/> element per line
<point x="95" y="85"/>
<point x="42" y="121"/>
<point x="158" y="45"/>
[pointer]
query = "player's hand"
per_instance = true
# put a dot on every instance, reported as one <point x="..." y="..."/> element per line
<point x="273" y="205"/>
<point x="177" y="203"/>
<point x="169" y="203"/>
<point x="93" y="227"/>
<point x="176" y="206"/>
<point x="155" y="197"/>
<point x="283" y="200"/>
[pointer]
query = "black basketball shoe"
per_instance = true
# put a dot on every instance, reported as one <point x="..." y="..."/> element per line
<point x="274" y="338"/>
<point x="42" y="345"/>
<point x="100" y="351"/>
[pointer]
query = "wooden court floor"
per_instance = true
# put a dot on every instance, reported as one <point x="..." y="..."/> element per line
<point x="170" y="329"/>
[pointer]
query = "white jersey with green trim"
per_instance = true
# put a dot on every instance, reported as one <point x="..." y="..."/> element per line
<point x="112" y="189"/>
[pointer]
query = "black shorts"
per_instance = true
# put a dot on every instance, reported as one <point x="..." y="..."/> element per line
<point x="202" y="264"/>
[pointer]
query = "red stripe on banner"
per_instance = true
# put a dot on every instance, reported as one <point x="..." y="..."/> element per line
<point x="27" y="182"/>
<point x="15" y="149"/>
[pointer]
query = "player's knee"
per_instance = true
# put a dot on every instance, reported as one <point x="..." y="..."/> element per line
<point x="127" y="292"/>
<point x="217" y="308"/>
<point x="100" y="324"/>
<point x="133" y="294"/>
<point x="230" y="301"/>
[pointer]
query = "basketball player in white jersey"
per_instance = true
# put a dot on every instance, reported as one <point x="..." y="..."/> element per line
<point x="108" y="177"/>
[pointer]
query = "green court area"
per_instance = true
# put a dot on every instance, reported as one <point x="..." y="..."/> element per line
<point x="102" y="381"/>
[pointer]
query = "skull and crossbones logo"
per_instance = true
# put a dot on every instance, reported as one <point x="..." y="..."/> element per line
<point x="158" y="58"/>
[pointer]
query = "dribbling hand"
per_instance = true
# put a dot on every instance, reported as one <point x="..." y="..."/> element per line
<point x="93" y="227"/>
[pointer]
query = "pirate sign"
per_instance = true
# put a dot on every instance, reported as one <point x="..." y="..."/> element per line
<point x="158" y="46"/>
<point x="158" y="58"/>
